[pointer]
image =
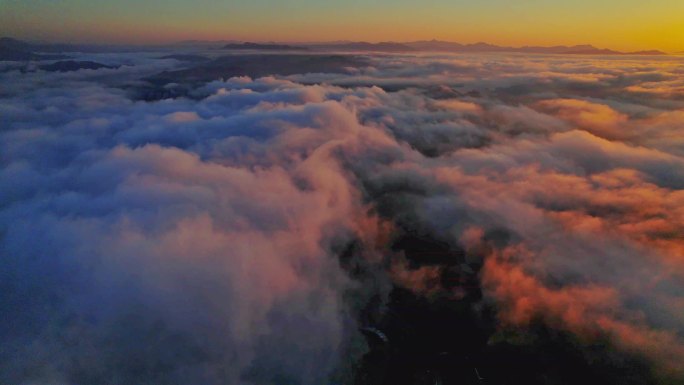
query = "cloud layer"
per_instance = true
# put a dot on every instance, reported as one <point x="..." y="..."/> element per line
<point x="244" y="233"/>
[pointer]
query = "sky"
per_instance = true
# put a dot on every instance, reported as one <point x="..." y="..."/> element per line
<point x="616" y="24"/>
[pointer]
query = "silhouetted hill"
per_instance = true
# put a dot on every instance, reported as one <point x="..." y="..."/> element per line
<point x="583" y="49"/>
<point x="648" y="52"/>
<point x="363" y="46"/>
<point x="71" y="65"/>
<point x="186" y="57"/>
<point x="264" y="47"/>
<point x="17" y="50"/>
<point x="13" y="49"/>
<point x="256" y="65"/>
<point x="435" y="45"/>
<point x="8" y="42"/>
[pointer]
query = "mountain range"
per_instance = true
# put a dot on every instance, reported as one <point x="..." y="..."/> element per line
<point x="264" y="47"/>
<point x="437" y="46"/>
<point x="17" y="50"/>
<point x="446" y="46"/>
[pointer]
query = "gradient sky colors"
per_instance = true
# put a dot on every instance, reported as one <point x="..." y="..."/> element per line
<point x="616" y="24"/>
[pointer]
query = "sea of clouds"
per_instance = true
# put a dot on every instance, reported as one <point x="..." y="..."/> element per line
<point x="199" y="240"/>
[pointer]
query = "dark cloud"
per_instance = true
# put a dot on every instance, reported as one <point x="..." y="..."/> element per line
<point x="523" y="212"/>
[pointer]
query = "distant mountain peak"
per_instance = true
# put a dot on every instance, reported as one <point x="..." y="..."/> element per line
<point x="263" y="46"/>
<point x="579" y="49"/>
<point x="17" y="50"/>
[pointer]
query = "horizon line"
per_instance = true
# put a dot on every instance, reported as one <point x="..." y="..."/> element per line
<point x="324" y="42"/>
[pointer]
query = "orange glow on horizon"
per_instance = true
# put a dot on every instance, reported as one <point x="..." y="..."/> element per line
<point x="632" y="27"/>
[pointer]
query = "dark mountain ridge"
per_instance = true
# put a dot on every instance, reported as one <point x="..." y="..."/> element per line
<point x="13" y="49"/>
<point x="582" y="49"/>
<point x="264" y="47"/>
<point x="17" y="50"/>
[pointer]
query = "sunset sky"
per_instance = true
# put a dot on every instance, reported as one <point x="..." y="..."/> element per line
<point x="616" y="24"/>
